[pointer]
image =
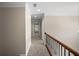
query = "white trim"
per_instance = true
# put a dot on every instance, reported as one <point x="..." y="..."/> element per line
<point x="27" y="50"/>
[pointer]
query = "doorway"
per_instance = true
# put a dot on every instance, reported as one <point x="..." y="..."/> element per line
<point x="36" y="25"/>
<point x="36" y="28"/>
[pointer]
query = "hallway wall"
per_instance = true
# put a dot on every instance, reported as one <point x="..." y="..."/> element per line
<point x="13" y="30"/>
<point x="1" y="40"/>
<point x="12" y="37"/>
<point x="63" y="23"/>
<point x="63" y="28"/>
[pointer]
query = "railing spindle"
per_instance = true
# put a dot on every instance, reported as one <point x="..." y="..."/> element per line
<point x="64" y="52"/>
<point x="61" y="50"/>
<point x="68" y="53"/>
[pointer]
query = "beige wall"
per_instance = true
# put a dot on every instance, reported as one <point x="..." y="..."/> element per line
<point x="13" y="31"/>
<point x="1" y="32"/>
<point x="63" y="28"/>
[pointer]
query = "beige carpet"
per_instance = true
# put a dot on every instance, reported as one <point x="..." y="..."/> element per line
<point x="37" y="48"/>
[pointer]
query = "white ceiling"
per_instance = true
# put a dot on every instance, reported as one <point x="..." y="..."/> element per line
<point x="55" y="8"/>
<point x="34" y="9"/>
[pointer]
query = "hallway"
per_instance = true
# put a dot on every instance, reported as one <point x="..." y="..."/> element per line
<point x="37" y="48"/>
<point x="57" y="26"/>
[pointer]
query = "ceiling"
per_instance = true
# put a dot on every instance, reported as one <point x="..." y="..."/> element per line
<point x="55" y="8"/>
<point x="36" y="11"/>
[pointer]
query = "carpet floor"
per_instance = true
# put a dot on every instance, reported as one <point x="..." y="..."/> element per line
<point x="37" y="48"/>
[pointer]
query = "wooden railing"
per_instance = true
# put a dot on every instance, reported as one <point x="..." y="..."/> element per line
<point x="61" y="45"/>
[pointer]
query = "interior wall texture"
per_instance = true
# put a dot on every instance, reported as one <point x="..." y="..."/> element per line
<point x="1" y="32"/>
<point x="63" y="24"/>
<point x="64" y="28"/>
<point x="12" y="30"/>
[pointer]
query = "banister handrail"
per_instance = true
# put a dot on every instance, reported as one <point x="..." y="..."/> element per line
<point x="64" y="45"/>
